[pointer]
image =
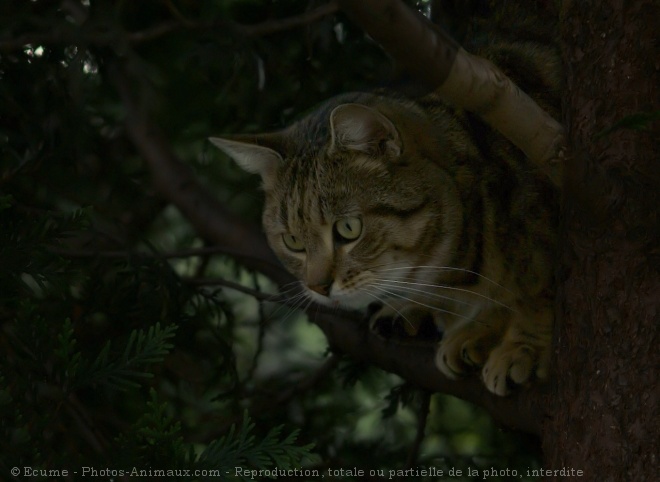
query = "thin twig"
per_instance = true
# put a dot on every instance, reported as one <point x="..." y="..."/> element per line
<point x="266" y="404"/>
<point x="312" y="308"/>
<point x="275" y="298"/>
<point x="422" y="417"/>
<point x="309" y="382"/>
<point x="262" y="29"/>
<point x="261" y="332"/>
<point x="113" y="254"/>
<point x="270" y="27"/>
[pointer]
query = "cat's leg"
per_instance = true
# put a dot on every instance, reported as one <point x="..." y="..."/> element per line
<point x="466" y="344"/>
<point x="401" y="319"/>
<point x="512" y="346"/>
<point x="524" y="351"/>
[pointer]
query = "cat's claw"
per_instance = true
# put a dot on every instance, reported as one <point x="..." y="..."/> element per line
<point x="462" y="351"/>
<point x="456" y="360"/>
<point x="509" y="365"/>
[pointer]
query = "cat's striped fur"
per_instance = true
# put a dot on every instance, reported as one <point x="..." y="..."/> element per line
<point x="423" y="208"/>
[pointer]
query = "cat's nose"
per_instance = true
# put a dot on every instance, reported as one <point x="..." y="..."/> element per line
<point x="322" y="289"/>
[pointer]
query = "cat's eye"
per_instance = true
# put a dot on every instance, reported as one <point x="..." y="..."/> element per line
<point x="349" y="229"/>
<point x="293" y="243"/>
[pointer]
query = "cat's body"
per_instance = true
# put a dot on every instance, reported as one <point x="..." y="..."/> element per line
<point x="375" y="197"/>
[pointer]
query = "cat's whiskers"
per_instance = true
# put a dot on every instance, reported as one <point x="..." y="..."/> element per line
<point x="425" y="293"/>
<point x="286" y="291"/>
<point x="382" y="300"/>
<point x="305" y="300"/>
<point x="382" y="267"/>
<point x="433" y="308"/>
<point x="289" y="306"/>
<point x="293" y="303"/>
<point x="306" y="307"/>
<point x="289" y="287"/>
<point x="446" y="287"/>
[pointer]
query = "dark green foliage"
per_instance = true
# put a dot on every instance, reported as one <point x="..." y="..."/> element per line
<point x="240" y="448"/>
<point x="110" y="355"/>
<point x="122" y="372"/>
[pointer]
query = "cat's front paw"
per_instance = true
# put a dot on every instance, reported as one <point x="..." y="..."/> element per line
<point x="512" y="364"/>
<point x="400" y="321"/>
<point x="462" y="352"/>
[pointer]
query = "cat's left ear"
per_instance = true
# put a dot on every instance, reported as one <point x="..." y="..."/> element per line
<point x="361" y="128"/>
<point x="251" y="156"/>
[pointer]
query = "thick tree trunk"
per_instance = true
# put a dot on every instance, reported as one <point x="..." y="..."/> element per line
<point x="605" y="416"/>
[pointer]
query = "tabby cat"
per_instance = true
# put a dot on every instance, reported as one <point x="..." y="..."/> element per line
<point x="375" y="197"/>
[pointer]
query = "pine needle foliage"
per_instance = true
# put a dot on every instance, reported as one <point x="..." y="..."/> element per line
<point x="241" y="448"/>
<point x="141" y="350"/>
<point x="51" y="311"/>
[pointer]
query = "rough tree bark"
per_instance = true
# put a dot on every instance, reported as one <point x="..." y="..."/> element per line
<point x="605" y="410"/>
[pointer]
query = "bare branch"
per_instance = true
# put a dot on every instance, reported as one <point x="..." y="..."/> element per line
<point x="71" y="36"/>
<point x="418" y="46"/>
<point x="414" y="362"/>
<point x="464" y="80"/>
<point x="262" y="29"/>
<point x="176" y="182"/>
<point x="270" y="27"/>
<point x="259" y="295"/>
<point x="478" y="85"/>
<point x="117" y="254"/>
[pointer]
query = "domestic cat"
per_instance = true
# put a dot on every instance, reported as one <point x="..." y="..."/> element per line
<point x="375" y="197"/>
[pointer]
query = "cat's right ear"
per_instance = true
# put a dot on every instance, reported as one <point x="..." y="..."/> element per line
<point x="252" y="157"/>
<point x="361" y="128"/>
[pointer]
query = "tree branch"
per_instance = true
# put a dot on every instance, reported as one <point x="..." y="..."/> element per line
<point x="270" y="27"/>
<point x="70" y="35"/>
<point x="262" y="29"/>
<point x="118" y="254"/>
<point x="462" y="79"/>
<point x="177" y="183"/>
<point x="414" y="361"/>
<point x="422" y="417"/>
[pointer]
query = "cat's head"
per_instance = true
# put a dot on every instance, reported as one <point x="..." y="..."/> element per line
<point x="353" y="202"/>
